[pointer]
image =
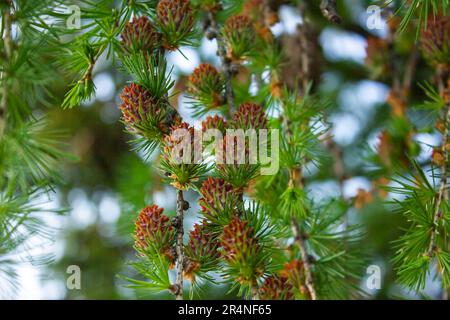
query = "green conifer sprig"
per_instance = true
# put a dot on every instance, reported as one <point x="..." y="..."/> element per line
<point x="155" y="271"/>
<point x="30" y="150"/>
<point x="339" y="259"/>
<point x="31" y="153"/>
<point x="421" y="10"/>
<point x="84" y="88"/>
<point x="418" y="204"/>
<point x="435" y="103"/>
<point x="150" y="72"/>
<point x="294" y="203"/>
<point x="101" y="24"/>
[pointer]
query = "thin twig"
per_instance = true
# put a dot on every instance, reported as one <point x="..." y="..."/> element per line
<point x="339" y="170"/>
<point x="296" y="179"/>
<point x="255" y="294"/>
<point x="339" y="166"/>
<point x="329" y="10"/>
<point x="179" y="245"/>
<point x="302" y="30"/>
<point x="410" y="70"/>
<point x="226" y="62"/>
<point x="7" y="40"/>
<point x="442" y="194"/>
<point x="299" y="237"/>
<point x="296" y="174"/>
<point x="305" y="57"/>
<point x="299" y="240"/>
<point x="393" y="58"/>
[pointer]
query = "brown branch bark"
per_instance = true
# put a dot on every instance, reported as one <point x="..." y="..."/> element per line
<point x="329" y="10"/>
<point x="410" y="71"/>
<point x="296" y="174"/>
<point x="305" y="63"/>
<point x="393" y="59"/>
<point x="226" y="62"/>
<point x="299" y="237"/>
<point x="7" y="40"/>
<point x="338" y="168"/>
<point x="179" y="245"/>
<point x="300" y="241"/>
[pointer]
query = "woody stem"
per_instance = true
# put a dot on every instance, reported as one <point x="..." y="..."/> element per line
<point x="226" y="62"/>
<point x="7" y="40"/>
<point x="179" y="245"/>
<point x="329" y="10"/>
<point x="299" y="238"/>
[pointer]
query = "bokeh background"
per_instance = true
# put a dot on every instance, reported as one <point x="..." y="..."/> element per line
<point x="105" y="189"/>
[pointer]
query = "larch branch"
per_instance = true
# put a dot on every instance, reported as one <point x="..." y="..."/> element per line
<point x="296" y="174"/>
<point x="442" y="194"/>
<point x="226" y="62"/>
<point x="299" y="240"/>
<point x="179" y="245"/>
<point x="7" y="40"/>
